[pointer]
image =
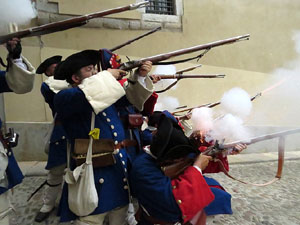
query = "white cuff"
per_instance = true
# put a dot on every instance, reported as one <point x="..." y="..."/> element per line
<point x="197" y="167"/>
<point x="18" y="79"/>
<point x="138" y="90"/>
<point x="56" y="85"/>
<point x="101" y="90"/>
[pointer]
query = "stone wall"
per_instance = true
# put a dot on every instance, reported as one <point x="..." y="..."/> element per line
<point x="32" y="140"/>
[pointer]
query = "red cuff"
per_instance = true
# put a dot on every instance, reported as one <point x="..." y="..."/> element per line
<point x="150" y="104"/>
<point x="191" y="193"/>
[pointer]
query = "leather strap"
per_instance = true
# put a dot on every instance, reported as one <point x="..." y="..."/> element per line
<point x="281" y="146"/>
<point x="126" y="143"/>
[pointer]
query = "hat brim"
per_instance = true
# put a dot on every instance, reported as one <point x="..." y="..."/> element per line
<point x="75" y="62"/>
<point x="48" y="62"/>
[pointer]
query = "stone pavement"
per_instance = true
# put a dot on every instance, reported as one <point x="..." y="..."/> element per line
<point x="276" y="204"/>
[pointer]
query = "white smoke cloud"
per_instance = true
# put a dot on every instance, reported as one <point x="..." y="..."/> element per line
<point x="230" y="125"/>
<point x="237" y="102"/>
<point x="15" y="11"/>
<point x="202" y="119"/>
<point x="279" y="105"/>
<point x="229" y="128"/>
<point x="164" y="70"/>
<point x="166" y="103"/>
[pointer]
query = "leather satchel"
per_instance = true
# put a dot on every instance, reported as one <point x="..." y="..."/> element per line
<point x="135" y="121"/>
<point x="102" y="152"/>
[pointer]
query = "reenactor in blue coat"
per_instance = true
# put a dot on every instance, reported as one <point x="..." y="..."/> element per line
<point x="165" y="200"/>
<point x="57" y="148"/>
<point x="18" y="78"/>
<point x="102" y="94"/>
<point x="180" y="194"/>
<point x="110" y="60"/>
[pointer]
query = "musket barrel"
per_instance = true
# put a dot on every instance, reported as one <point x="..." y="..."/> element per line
<point x="180" y="76"/>
<point x="161" y="57"/>
<point x="211" y="105"/>
<point x="67" y="24"/>
<point x="184" y="51"/>
<point x="188" y="69"/>
<point x="135" y="39"/>
<point x="263" y="137"/>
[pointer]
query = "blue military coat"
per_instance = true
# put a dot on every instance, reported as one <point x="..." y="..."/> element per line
<point x="3" y="84"/>
<point x="111" y="181"/>
<point x="124" y="109"/>
<point x="13" y="173"/>
<point x="154" y="192"/>
<point x="58" y="142"/>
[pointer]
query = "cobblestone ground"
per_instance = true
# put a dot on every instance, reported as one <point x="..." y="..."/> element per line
<point x="276" y="204"/>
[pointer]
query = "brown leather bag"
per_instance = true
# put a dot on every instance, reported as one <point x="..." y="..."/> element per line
<point x="102" y="152"/>
<point x="135" y="121"/>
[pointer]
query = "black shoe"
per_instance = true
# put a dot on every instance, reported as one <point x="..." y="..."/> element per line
<point x="41" y="216"/>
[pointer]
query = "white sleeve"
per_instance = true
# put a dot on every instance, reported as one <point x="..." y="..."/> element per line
<point x="197" y="167"/>
<point x="101" y="90"/>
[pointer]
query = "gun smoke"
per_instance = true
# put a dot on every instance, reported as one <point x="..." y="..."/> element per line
<point x="237" y="102"/>
<point x="166" y="103"/>
<point x="15" y="11"/>
<point x="236" y="105"/>
<point x="280" y="104"/>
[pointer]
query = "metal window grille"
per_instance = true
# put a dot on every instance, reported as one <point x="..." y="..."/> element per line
<point x="164" y="7"/>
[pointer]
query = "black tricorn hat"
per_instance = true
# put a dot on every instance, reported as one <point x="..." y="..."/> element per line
<point x="170" y="142"/>
<point x="74" y="63"/>
<point x="48" y="62"/>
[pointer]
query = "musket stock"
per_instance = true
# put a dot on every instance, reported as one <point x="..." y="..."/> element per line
<point x="68" y="23"/>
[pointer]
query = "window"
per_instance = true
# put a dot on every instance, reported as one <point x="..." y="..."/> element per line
<point x="163" y="7"/>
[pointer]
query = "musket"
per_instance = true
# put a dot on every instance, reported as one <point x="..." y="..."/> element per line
<point x="188" y="69"/>
<point x="281" y="146"/>
<point x="260" y="138"/>
<point x="180" y="72"/>
<point x="211" y="105"/>
<point x="181" y="76"/>
<point x="135" y="39"/>
<point x="174" y="170"/>
<point x="68" y="23"/>
<point x="161" y="57"/>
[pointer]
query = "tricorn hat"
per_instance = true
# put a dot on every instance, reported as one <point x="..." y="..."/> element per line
<point x="48" y="62"/>
<point x="170" y="142"/>
<point x="74" y="63"/>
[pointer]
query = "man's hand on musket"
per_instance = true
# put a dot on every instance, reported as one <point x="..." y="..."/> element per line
<point x="238" y="149"/>
<point x="202" y="161"/>
<point x="145" y="68"/>
<point x="117" y="73"/>
<point x="155" y="78"/>
<point x="14" y="48"/>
